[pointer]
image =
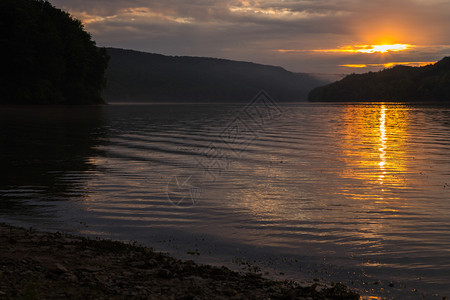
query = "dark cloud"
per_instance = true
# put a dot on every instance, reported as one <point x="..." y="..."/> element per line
<point x="254" y="30"/>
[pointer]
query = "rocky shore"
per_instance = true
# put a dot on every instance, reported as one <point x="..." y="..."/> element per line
<point x="42" y="265"/>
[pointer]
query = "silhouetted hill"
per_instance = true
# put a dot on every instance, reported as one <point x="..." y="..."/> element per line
<point x="47" y="56"/>
<point x="400" y="83"/>
<point x="134" y="76"/>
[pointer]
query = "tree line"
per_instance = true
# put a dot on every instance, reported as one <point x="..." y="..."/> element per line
<point x="400" y="83"/>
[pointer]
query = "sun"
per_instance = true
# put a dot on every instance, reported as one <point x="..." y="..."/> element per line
<point x="369" y="49"/>
<point x="384" y="48"/>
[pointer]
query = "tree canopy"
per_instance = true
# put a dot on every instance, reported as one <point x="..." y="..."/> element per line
<point x="400" y="83"/>
<point x="47" y="56"/>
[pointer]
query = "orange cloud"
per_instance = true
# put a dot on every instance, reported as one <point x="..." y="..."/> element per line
<point x="390" y="64"/>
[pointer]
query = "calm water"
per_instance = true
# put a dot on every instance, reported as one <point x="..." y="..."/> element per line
<point x="339" y="192"/>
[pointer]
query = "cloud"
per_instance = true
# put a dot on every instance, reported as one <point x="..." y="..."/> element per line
<point x="255" y="29"/>
<point x="391" y="64"/>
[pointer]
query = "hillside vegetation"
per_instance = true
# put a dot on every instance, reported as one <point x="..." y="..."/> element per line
<point x="400" y="83"/>
<point x="144" y="77"/>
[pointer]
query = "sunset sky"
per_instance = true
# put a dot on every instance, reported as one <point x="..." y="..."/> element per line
<point x="319" y="36"/>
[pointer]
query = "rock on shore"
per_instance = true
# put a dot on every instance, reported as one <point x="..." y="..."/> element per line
<point x="40" y="265"/>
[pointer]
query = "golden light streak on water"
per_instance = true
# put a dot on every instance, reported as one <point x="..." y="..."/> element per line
<point x="374" y="144"/>
<point x="383" y="141"/>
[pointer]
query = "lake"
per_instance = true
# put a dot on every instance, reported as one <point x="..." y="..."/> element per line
<point x="357" y="193"/>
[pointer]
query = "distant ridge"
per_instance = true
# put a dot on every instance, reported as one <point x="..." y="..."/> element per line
<point x="401" y="83"/>
<point x="134" y="76"/>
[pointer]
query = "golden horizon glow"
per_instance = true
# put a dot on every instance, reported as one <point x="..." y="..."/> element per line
<point x="370" y="49"/>
<point x="355" y="66"/>
<point x="390" y="64"/>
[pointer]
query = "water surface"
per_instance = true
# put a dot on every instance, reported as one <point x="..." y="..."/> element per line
<point x="357" y="193"/>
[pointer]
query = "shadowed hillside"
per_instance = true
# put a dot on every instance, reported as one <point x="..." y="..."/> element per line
<point x="144" y="77"/>
<point x="400" y="83"/>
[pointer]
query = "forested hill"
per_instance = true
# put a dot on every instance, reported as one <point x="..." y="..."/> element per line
<point x="400" y="83"/>
<point x="47" y="57"/>
<point x="144" y="77"/>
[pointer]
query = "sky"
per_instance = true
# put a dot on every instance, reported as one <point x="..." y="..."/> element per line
<point x="313" y="36"/>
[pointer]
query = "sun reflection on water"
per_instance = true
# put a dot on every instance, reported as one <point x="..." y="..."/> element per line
<point x="382" y="148"/>
<point x="370" y="161"/>
<point x="375" y="144"/>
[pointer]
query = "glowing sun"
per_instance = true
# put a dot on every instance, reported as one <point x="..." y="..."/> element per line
<point x="370" y="48"/>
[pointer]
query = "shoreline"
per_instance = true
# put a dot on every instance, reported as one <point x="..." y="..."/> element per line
<point x="44" y="265"/>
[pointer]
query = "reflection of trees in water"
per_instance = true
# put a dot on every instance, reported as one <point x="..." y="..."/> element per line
<point x="45" y="152"/>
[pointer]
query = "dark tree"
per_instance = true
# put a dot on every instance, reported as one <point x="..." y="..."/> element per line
<point x="47" y="56"/>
